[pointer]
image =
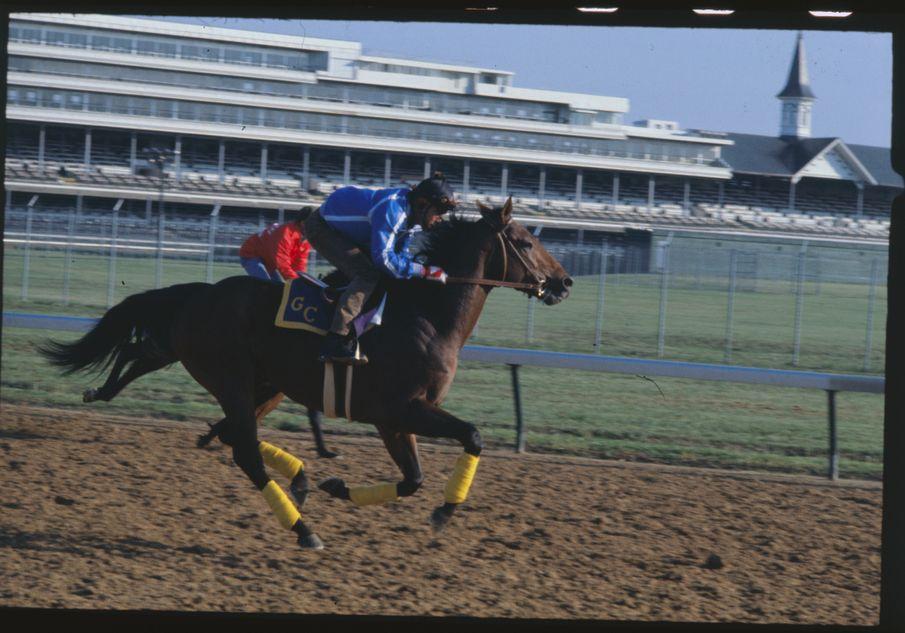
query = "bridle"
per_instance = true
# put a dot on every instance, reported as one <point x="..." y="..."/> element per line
<point x="536" y="288"/>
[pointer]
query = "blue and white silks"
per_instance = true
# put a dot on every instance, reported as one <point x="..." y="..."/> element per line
<point x="375" y="219"/>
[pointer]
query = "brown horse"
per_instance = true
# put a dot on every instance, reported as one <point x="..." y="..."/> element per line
<point x="224" y="335"/>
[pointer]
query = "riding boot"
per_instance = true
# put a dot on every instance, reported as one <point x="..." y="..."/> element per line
<point x="342" y="350"/>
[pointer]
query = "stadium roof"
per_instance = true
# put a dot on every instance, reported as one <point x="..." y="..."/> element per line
<point x="774" y="156"/>
<point x="878" y="162"/>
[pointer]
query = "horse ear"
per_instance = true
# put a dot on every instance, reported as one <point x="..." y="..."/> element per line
<point x="506" y="212"/>
<point x="486" y="212"/>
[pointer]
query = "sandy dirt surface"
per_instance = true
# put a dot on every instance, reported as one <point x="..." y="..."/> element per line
<point x="99" y="513"/>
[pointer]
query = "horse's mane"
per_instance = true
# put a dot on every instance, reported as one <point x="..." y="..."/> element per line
<point x="435" y="244"/>
<point x="437" y="241"/>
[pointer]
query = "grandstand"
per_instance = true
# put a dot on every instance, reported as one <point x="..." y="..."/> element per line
<point x="261" y="124"/>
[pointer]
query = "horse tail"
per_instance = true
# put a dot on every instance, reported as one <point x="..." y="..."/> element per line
<point x="147" y="315"/>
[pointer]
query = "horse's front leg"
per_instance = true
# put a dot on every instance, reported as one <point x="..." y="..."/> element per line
<point x="430" y="420"/>
<point x="403" y="448"/>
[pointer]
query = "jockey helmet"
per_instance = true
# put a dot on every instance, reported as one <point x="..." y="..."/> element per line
<point x="437" y="191"/>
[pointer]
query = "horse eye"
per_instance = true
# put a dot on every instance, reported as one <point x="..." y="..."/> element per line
<point x="526" y="245"/>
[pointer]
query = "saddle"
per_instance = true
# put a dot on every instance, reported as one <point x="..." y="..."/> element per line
<point x="308" y="304"/>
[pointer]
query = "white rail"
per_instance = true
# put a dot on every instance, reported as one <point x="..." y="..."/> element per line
<point x="675" y="369"/>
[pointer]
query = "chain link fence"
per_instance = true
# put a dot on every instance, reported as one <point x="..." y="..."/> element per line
<point x="771" y="304"/>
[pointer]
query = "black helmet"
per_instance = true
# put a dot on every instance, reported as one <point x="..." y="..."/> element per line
<point x="437" y="191"/>
<point x="303" y="214"/>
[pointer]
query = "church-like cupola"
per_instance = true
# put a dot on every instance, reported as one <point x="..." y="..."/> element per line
<point x="797" y="98"/>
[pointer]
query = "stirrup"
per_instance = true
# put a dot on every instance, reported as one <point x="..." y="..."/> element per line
<point x="356" y="360"/>
<point x="342" y="351"/>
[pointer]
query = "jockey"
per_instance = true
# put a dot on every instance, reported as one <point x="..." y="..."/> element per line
<point x="366" y="233"/>
<point x="279" y="252"/>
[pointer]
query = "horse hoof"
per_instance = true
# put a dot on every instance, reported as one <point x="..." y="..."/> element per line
<point x="312" y="541"/>
<point x="299" y="489"/>
<point x="90" y="395"/>
<point x="335" y="487"/>
<point x="328" y="454"/>
<point x="440" y="517"/>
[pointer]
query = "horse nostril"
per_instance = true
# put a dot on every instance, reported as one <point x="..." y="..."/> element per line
<point x="567" y="282"/>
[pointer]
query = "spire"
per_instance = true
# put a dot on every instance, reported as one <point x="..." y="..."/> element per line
<point x="797" y="85"/>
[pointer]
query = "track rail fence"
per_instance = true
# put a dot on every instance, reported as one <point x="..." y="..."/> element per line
<point x="516" y="358"/>
<point x="796" y="278"/>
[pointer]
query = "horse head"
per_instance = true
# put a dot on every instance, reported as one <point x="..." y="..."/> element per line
<point x="516" y="256"/>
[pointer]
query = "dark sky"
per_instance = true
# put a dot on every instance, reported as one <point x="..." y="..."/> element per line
<point x="703" y="78"/>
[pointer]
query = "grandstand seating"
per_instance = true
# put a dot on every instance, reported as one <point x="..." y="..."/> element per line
<point x="744" y="206"/>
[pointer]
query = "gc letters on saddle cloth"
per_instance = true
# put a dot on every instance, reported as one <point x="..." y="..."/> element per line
<point x="306" y="307"/>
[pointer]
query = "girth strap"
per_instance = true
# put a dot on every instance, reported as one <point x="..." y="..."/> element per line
<point x="337" y="397"/>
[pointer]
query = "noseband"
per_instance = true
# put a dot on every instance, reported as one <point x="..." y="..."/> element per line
<point x="536" y="288"/>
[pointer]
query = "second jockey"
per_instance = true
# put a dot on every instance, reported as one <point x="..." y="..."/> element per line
<point x="279" y="252"/>
<point x="366" y="233"/>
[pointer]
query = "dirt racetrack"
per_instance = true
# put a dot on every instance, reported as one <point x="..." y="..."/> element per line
<point x="99" y="513"/>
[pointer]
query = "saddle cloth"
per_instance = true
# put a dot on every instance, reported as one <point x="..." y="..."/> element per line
<point x="309" y="303"/>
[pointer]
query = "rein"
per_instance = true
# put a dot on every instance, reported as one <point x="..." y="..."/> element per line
<point x="536" y="288"/>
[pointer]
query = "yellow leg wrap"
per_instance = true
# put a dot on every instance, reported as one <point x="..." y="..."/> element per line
<point x="282" y="507"/>
<point x="460" y="480"/>
<point x="281" y="461"/>
<point x="370" y="495"/>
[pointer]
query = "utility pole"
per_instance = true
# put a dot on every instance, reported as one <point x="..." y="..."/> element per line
<point x="159" y="158"/>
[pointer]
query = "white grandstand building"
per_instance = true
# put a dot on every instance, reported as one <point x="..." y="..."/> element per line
<point x="259" y="123"/>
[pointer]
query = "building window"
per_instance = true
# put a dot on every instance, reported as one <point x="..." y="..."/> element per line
<point x="188" y="110"/>
<point x="30" y="35"/>
<point x="100" y="42"/>
<point x="77" y="40"/>
<point x="276" y="60"/>
<point x="240" y="56"/>
<point x="122" y="45"/>
<point x="190" y="51"/>
<point x="54" y="38"/>
<point x="165" y="109"/>
<point x="211" y="53"/>
<point x="99" y="102"/>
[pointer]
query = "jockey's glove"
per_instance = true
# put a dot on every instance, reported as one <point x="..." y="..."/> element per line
<point x="431" y="273"/>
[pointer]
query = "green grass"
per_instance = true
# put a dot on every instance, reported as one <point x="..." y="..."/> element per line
<point x="584" y="413"/>
<point x="833" y="323"/>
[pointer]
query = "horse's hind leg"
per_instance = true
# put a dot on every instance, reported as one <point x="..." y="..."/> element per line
<point x="240" y="415"/>
<point x="266" y="400"/>
<point x="314" y="419"/>
<point x="138" y="369"/>
<point x="126" y="355"/>
<point x="404" y="451"/>
<point x="291" y="467"/>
